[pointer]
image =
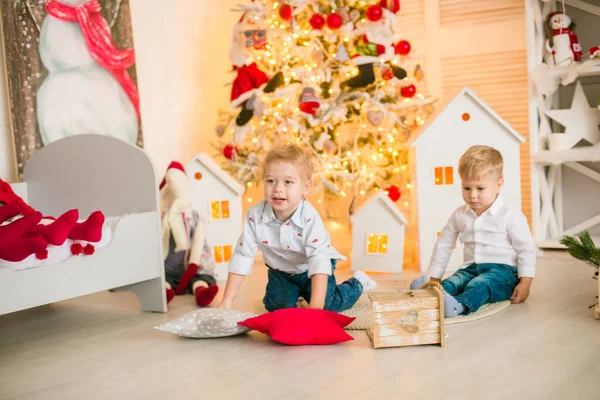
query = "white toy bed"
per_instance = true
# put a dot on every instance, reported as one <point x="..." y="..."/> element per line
<point x="93" y="172"/>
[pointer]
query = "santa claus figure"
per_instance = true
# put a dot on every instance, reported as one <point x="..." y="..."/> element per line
<point x="250" y="81"/>
<point x="563" y="46"/>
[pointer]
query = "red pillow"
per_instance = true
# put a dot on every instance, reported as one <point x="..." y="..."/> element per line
<point x="298" y="326"/>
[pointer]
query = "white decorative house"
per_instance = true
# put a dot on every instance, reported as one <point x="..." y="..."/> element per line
<point x="217" y="196"/>
<point x="463" y="122"/>
<point x="378" y="236"/>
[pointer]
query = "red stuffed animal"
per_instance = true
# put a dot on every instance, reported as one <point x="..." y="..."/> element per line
<point x="24" y="231"/>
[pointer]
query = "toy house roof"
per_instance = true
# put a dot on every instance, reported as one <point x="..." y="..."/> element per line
<point x="383" y="200"/>
<point x="469" y="94"/>
<point x="208" y="162"/>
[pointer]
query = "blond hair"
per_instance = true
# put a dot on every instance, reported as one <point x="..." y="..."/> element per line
<point x="479" y="161"/>
<point x="291" y="153"/>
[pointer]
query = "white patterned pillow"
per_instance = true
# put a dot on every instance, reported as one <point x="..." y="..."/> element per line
<point x="208" y="323"/>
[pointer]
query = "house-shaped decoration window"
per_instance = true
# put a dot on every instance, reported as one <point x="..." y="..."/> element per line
<point x="222" y="253"/>
<point x="377" y="244"/>
<point x="219" y="209"/>
<point x="443" y="175"/>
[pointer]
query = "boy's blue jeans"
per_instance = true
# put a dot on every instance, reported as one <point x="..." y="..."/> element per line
<point x="283" y="290"/>
<point x="479" y="284"/>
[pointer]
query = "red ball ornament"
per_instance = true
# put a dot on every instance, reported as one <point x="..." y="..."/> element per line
<point x="229" y="151"/>
<point x="334" y="21"/>
<point x="393" y="193"/>
<point x="317" y="21"/>
<point x="374" y="13"/>
<point x="285" y="12"/>
<point x="402" y="47"/>
<point x="387" y="74"/>
<point x="408" y="91"/>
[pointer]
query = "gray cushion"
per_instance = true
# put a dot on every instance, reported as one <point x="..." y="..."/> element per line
<point x="208" y="323"/>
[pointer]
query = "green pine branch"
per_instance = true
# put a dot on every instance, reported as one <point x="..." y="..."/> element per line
<point x="582" y="248"/>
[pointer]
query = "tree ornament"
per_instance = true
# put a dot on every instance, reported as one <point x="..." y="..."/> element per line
<point x="375" y="117"/>
<point x="408" y="91"/>
<point x="229" y="151"/>
<point x="393" y="192"/>
<point x="387" y="74"/>
<point x="285" y="12"/>
<point x="374" y="13"/>
<point x="419" y="75"/>
<point x="309" y="103"/>
<point x="320" y="142"/>
<point x="341" y="54"/>
<point x="392" y="5"/>
<point x="402" y="47"/>
<point x="220" y="130"/>
<point x="334" y="21"/>
<point x="317" y="21"/>
<point x="329" y="146"/>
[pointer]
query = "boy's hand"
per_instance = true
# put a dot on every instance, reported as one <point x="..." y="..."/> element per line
<point x="226" y="304"/>
<point x="521" y="292"/>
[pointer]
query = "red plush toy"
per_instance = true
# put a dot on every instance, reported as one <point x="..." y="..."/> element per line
<point x="25" y="232"/>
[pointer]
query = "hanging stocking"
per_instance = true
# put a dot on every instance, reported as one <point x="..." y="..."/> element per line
<point x="365" y="77"/>
<point x="399" y="73"/>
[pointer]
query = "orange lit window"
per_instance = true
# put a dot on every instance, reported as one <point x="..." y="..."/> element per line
<point x="219" y="209"/>
<point x="443" y="176"/>
<point x="377" y="244"/>
<point x="222" y="253"/>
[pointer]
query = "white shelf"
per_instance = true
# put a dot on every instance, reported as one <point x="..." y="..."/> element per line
<point x="586" y="68"/>
<point x="579" y="154"/>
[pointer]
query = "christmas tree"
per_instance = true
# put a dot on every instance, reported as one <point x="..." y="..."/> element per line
<point x="334" y="76"/>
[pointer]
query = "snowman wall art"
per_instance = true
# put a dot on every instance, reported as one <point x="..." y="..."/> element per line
<point x="71" y="70"/>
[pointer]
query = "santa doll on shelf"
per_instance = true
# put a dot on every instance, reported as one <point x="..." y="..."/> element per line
<point x="562" y="44"/>
<point x="250" y="82"/>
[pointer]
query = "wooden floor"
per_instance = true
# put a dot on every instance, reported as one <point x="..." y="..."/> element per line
<point x="102" y="347"/>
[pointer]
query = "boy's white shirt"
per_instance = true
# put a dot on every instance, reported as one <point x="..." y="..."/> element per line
<point x="300" y="244"/>
<point x="500" y="235"/>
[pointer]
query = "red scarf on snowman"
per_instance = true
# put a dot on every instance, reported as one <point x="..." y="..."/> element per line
<point x="98" y="40"/>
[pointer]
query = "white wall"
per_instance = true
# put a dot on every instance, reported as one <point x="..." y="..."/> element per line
<point x="182" y="64"/>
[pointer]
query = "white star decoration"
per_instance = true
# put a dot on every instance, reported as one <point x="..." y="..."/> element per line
<point x="580" y="121"/>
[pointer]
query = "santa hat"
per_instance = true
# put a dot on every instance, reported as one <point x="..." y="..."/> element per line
<point x="392" y="5"/>
<point x="595" y="52"/>
<point x="173" y="165"/>
<point x="552" y="14"/>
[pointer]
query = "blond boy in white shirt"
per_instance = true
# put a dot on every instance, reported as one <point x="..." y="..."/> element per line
<point x="293" y="240"/>
<point x="499" y="253"/>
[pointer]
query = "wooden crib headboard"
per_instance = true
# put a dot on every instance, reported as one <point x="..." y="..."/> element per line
<point x="91" y="172"/>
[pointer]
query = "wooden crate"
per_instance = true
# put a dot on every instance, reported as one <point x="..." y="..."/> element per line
<point x="407" y="318"/>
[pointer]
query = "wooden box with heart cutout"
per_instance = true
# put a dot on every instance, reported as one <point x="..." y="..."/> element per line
<point x="407" y="318"/>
